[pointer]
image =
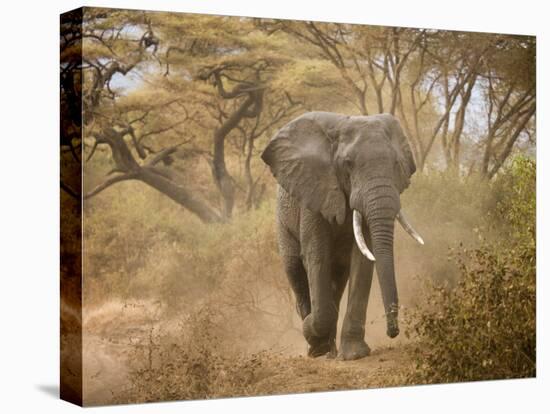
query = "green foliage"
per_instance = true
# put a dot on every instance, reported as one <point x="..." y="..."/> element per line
<point x="517" y="183"/>
<point x="485" y="328"/>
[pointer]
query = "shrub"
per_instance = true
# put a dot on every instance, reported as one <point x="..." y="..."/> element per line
<point x="484" y="328"/>
<point x="194" y="365"/>
<point x="515" y="195"/>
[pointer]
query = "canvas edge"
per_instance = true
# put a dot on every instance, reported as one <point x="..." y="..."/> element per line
<point x="71" y="367"/>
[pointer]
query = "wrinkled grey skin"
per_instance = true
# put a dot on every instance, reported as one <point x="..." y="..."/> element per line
<point x="326" y="165"/>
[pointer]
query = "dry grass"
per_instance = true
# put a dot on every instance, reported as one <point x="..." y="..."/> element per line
<point x="196" y="365"/>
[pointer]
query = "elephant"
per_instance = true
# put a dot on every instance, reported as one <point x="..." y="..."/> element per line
<point x="339" y="179"/>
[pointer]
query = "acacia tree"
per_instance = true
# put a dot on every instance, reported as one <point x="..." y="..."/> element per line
<point x="202" y="84"/>
<point x="455" y="63"/>
<point x="238" y="62"/>
<point x="453" y="67"/>
<point x="134" y="159"/>
<point x="328" y="41"/>
<point x="277" y="107"/>
<point x="149" y="129"/>
<point x="254" y="112"/>
<point x="428" y="79"/>
<point x="116" y="43"/>
<point x="510" y="90"/>
<point x="373" y="63"/>
<point x="248" y="92"/>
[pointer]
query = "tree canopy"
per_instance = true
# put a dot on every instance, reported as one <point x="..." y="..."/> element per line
<point x="184" y="103"/>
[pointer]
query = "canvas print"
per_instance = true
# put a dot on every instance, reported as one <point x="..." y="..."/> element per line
<point x="254" y="206"/>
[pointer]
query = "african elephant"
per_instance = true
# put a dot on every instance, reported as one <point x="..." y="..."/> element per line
<point x="333" y="171"/>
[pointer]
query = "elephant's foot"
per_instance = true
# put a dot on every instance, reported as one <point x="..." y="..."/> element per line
<point x="320" y="337"/>
<point x="322" y="347"/>
<point x="351" y="349"/>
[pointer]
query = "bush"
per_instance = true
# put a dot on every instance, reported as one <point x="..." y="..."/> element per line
<point x="484" y="328"/>
<point x="194" y="365"/>
<point x="515" y="203"/>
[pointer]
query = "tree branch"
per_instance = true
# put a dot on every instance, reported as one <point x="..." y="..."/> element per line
<point x="109" y="182"/>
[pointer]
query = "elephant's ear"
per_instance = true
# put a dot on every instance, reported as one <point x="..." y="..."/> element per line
<point x="405" y="158"/>
<point x="300" y="158"/>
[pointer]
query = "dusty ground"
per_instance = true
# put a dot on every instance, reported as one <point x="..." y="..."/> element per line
<point x="107" y="373"/>
<point x="384" y="367"/>
<point x="113" y="334"/>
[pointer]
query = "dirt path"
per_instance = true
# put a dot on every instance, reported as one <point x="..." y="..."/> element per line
<point x="109" y="345"/>
<point x="107" y="373"/>
<point x="384" y="367"/>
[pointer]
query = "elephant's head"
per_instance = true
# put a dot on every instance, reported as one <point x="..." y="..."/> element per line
<point x="339" y="165"/>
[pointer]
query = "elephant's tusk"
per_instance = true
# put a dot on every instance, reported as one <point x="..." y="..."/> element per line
<point x="408" y="228"/>
<point x="359" y="238"/>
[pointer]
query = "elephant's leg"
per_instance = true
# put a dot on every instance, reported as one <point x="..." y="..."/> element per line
<point x="352" y="344"/>
<point x="297" y="278"/>
<point x="339" y="280"/>
<point x="320" y="325"/>
<point x="290" y="251"/>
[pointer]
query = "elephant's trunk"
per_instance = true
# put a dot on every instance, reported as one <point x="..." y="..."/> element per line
<point x="380" y="205"/>
<point x="382" y="239"/>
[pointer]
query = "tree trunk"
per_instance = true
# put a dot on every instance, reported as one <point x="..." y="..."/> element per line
<point x="162" y="179"/>
<point x="250" y="107"/>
